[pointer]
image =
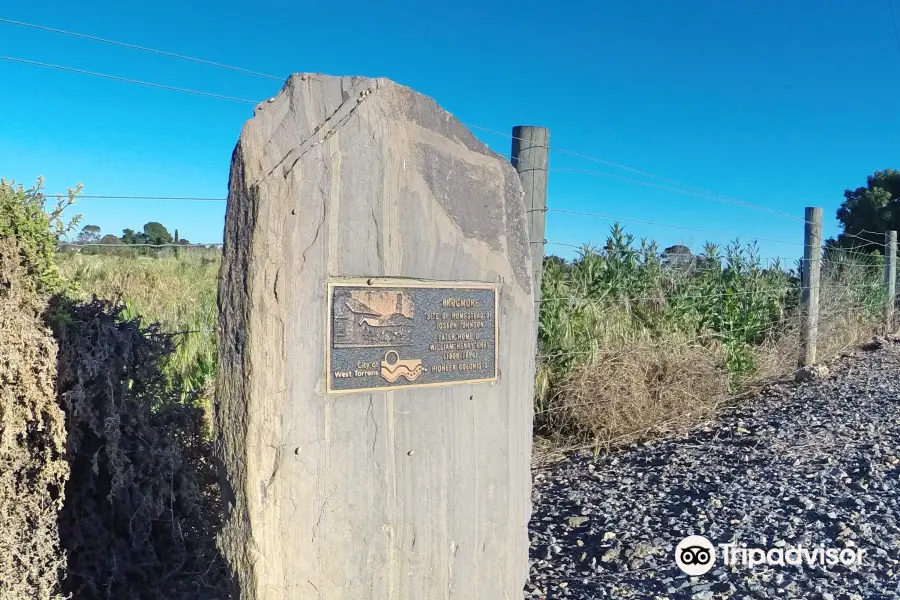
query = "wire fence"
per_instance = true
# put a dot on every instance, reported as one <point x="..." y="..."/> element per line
<point x="643" y="315"/>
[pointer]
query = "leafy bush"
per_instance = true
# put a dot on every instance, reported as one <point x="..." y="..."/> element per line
<point x="36" y="231"/>
<point x="605" y="315"/>
<point x="142" y="506"/>
<point x="140" y="509"/>
<point x="622" y="294"/>
<point x="33" y="467"/>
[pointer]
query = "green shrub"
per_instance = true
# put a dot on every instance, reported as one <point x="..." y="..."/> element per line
<point x="142" y="505"/>
<point x="37" y="231"/>
<point x="621" y="303"/>
<point x="623" y="294"/>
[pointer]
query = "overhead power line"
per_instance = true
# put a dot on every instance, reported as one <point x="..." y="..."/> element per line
<point x="688" y="189"/>
<point x="188" y="198"/>
<point x="141" y="48"/>
<point x="685" y="192"/>
<point x="691" y="189"/>
<point x="125" y="79"/>
<point x="702" y="192"/>
<point x="626" y="219"/>
<point x="894" y="21"/>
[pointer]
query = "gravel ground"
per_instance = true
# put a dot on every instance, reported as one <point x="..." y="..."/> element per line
<point x="803" y="464"/>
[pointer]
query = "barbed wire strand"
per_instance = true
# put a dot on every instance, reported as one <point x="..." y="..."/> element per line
<point x="619" y="301"/>
<point x="547" y="209"/>
<point x="207" y="245"/>
<point x="211" y="245"/>
<point x="699" y="193"/>
<point x="633" y="349"/>
<point x="685" y="192"/>
<point x="825" y="250"/>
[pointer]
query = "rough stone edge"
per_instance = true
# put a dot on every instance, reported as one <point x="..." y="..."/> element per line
<point x="235" y="323"/>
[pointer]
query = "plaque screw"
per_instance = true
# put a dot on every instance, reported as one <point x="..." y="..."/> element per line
<point x="369" y="281"/>
<point x="410" y="453"/>
<point x="297" y="450"/>
<point x="293" y="211"/>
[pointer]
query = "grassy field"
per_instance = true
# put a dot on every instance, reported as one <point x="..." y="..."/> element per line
<point x="632" y="343"/>
<point x="176" y="288"/>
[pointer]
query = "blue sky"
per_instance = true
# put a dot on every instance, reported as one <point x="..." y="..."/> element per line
<point x="782" y="105"/>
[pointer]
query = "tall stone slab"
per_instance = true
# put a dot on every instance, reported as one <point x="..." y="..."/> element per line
<point x="374" y="401"/>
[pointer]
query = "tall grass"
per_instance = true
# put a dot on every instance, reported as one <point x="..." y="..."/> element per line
<point x="632" y="341"/>
<point x="173" y="287"/>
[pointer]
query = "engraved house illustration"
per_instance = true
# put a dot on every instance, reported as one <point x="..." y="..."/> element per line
<point x="364" y="318"/>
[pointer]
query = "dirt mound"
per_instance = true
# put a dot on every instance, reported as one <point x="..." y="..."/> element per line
<point x="33" y="469"/>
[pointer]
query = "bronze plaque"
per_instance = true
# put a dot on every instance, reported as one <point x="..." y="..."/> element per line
<point x="387" y="335"/>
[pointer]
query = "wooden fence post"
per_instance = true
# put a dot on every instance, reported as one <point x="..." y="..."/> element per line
<point x="812" y="264"/>
<point x="890" y="277"/>
<point x="530" y="150"/>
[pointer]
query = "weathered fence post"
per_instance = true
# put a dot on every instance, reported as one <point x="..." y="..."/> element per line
<point x="812" y="264"/>
<point x="890" y="277"/>
<point x="530" y="157"/>
<point x="376" y="357"/>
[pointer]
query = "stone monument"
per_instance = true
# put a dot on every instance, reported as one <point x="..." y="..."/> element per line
<point x="374" y="399"/>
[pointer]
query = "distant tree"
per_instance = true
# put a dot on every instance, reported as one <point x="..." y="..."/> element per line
<point x="156" y="233"/>
<point x="107" y="240"/>
<point x="867" y="212"/>
<point x="130" y="236"/>
<point x="90" y="234"/>
<point x="176" y="236"/>
<point x="184" y="242"/>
